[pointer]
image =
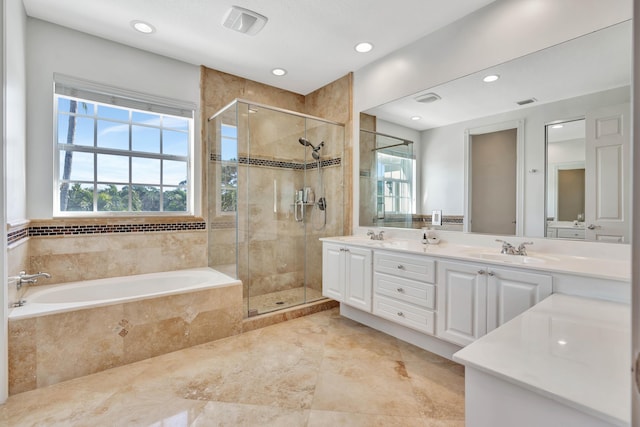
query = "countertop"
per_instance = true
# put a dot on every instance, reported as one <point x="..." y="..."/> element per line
<point x="602" y="268"/>
<point x="570" y="349"/>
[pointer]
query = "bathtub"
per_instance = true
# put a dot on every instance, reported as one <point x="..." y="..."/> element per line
<point x="74" y="329"/>
<point x="50" y="299"/>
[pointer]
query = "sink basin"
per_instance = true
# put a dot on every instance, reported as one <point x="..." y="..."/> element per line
<point x="508" y="259"/>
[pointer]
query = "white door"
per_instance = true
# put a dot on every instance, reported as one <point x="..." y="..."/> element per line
<point x="510" y="293"/>
<point x="462" y="302"/>
<point x="358" y="277"/>
<point x="608" y="174"/>
<point x="333" y="271"/>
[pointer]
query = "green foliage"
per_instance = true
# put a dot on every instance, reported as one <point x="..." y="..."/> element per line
<point x="110" y="199"/>
<point x="229" y="190"/>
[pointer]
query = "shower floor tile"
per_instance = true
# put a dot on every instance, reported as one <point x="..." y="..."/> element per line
<point x="281" y="299"/>
<point x="318" y="370"/>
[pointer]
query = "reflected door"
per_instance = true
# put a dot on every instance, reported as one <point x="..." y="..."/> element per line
<point x="493" y="182"/>
<point x="607" y="174"/>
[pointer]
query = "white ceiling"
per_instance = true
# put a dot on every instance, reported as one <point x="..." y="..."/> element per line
<point x="592" y="63"/>
<point x="313" y="40"/>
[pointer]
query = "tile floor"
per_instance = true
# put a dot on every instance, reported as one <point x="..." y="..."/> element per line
<point x="318" y="370"/>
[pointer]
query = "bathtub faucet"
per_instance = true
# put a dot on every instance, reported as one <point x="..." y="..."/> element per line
<point x="24" y="278"/>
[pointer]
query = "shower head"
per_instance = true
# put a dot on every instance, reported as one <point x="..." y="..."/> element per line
<point x="306" y="143"/>
<point x="315" y="154"/>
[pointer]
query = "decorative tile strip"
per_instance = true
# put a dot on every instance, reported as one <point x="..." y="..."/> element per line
<point x="64" y="230"/>
<point x="18" y="234"/>
<point x="219" y="225"/>
<point x="254" y="161"/>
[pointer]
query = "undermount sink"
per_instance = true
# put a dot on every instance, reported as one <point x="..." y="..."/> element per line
<point x="509" y="259"/>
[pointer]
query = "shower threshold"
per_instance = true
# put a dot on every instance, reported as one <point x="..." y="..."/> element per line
<point x="279" y="300"/>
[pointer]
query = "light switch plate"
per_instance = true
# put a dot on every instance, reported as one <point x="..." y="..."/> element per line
<point x="436" y="217"/>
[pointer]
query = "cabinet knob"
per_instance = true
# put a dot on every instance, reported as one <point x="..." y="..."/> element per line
<point x="400" y="267"/>
<point x="491" y="273"/>
<point x="400" y="290"/>
<point x="481" y="272"/>
<point x="401" y="314"/>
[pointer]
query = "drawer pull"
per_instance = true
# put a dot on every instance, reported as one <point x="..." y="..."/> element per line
<point x="481" y="272"/>
<point x="400" y="267"/>
<point x="401" y="314"/>
<point x="401" y="290"/>
<point x="491" y="273"/>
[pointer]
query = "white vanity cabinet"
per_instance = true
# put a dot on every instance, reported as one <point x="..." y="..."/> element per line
<point x="404" y="290"/>
<point x="346" y="274"/>
<point x="474" y="298"/>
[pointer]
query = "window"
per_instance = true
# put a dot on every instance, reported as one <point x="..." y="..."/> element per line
<point x="396" y="184"/>
<point x="228" y="169"/>
<point x="117" y="154"/>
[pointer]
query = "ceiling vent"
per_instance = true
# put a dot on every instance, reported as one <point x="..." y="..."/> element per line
<point x="244" y="20"/>
<point x="526" y="101"/>
<point x="427" y="98"/>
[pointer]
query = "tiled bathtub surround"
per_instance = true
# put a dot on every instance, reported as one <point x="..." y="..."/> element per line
<point x="48" y="349"/>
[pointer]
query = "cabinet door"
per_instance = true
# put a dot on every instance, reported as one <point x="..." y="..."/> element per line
<point x="333" y="271"/>
<point x="462" y="302"/>
<point x="510" y="293"/>
<point x="358" y="269"/>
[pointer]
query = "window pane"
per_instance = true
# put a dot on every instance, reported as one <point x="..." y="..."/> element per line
<point x="145" y="118"/>
<point x="145" y="139"/>
<point x="76" y="197"/>
<point x="174" y="173"/>
<point x="176" y="143"/>
<point x="82" y="134"/>
<point x="76" y="166"/>
<point x="145" y="198"/>
<point x="63" y="104"/>
<point x="113" y="198"/>
<point x="113" y="168"/>
<point x="114" y="113"/>
<point x="176" y="123"/>
<point x="174" y="199"/>
<point x="113" y="135"/>
<point x="145" y="171"/>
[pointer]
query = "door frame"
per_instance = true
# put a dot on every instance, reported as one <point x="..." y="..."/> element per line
<point x="497" y="127"/>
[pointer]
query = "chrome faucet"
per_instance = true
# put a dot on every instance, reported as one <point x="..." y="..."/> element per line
<point x="24" y="278"/>
<point x="509" y="249"/>
<point x="374" y="236"/>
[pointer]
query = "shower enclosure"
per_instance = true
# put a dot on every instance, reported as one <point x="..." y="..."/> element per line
<point x="275" y="186"/>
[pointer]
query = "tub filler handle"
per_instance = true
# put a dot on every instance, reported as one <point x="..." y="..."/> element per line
<point x="24" y="278"/>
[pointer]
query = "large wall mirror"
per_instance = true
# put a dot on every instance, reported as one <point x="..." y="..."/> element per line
<point x="538" y="146"/>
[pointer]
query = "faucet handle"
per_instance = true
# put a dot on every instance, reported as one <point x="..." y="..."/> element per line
<point x="522" y="250"/>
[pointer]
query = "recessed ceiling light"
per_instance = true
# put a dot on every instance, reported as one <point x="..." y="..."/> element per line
<point x="416" y="118"/>
<point x="557" y="127"/>
<point x="279" y="71"/>
<point x="363" y="47"/>
<point x="143" y="27"/>
<point x="490" y="78"/>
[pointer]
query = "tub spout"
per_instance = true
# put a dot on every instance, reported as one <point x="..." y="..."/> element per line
<point x="24" y="278"/>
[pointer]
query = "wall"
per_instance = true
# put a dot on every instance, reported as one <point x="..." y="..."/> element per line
<point x="443" y="154"/>
<point x="499" y="32"/>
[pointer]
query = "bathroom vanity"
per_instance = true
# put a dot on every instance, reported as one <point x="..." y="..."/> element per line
<point x="537" y="331"/>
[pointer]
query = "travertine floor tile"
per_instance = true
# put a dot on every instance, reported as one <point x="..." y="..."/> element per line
<point x="318" y="370"/>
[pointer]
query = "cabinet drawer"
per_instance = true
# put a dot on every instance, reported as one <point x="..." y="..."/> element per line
<point x="567" y="233"/>
<point x="405" y="314"/>
<point x="418" y="293"/>
<point x="407" y="266"/>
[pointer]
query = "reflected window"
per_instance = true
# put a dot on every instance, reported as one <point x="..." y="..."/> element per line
<point x="228" y="185"/>
<point x="396" y="184"/>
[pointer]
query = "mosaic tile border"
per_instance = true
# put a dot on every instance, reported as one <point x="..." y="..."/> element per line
<point x="256" y="161"/>
<point x="15" y="236"/>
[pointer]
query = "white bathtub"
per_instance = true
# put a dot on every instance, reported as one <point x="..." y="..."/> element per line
<point x="50" y="299"/>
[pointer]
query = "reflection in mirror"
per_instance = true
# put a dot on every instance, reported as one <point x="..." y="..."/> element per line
<point x="566" y="179"/>
<point x="580" y="78"/>
<point x="387" y="180"/>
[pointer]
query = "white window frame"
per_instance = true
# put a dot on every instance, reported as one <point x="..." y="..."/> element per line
<point x="81" y="90"/>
